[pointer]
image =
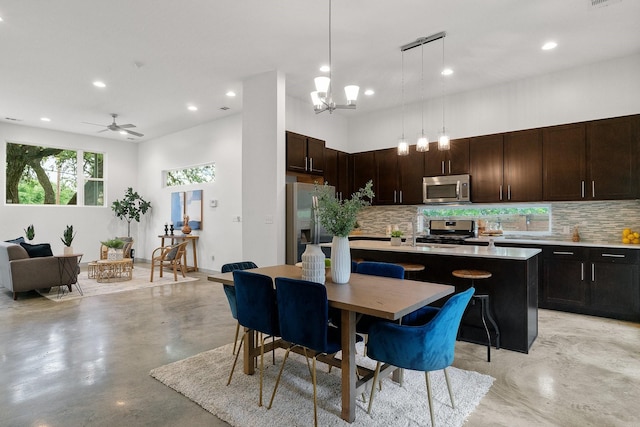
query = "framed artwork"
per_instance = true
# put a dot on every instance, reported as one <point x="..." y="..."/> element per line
<point x="187" y="203"/>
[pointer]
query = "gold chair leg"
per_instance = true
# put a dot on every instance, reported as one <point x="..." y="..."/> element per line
<point x="261" y="367"/>
<point x="446" y="377"/>
<point x="315" y="403"/>
<point x="306" y="356"/>
<point x="373" y="386"/>
<point x="426" y="375"/>
<point x="278" y="379"/>
<point x="235" y="361"/>
<point x="235" y="341"/>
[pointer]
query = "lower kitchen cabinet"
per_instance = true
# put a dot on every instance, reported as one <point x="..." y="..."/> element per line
<point x="614" y="283"/>
<point x="563" y="280"/>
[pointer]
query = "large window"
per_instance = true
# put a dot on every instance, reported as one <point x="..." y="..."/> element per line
<point x="38" y="175"/>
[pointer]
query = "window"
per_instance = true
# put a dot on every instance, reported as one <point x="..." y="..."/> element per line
<point x="191" y="175"/>
<point x="39" y="175"/>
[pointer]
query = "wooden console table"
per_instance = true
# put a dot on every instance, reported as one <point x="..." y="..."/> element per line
<point x="194" y="240"/>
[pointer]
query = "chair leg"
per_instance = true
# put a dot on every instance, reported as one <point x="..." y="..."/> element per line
<point x="175" y="272"/>
<point x="261" y="367"/>
<point x="484" y="322"/>
<point x="446" y="377"/>
<point x="235" y="340"/>
<point x="494" y="324"/>
<point x="373" y="386"/>
<point x="235" y="361"/>
<point x="433" y="420"/>
<point x="315" y="402"/>
<point x="278" y="379"/>
<point x="152" y="265"/>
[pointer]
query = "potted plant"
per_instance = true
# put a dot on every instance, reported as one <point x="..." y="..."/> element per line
<point x="114" y="248"/>
<point x="130" y="208"/>
<point x="30" y="232"/>
<point x="338" y="217"/>
<point x="67" y="239"/>
<point x="396" y="238"/>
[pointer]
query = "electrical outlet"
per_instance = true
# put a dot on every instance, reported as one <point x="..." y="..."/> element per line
<point x="236" y="218"/>
<point x="213" y="257"/>
<point x="565" y="229"/>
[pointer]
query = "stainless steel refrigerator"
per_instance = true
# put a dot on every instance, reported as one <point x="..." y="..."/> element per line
<point x="300" y="230"/>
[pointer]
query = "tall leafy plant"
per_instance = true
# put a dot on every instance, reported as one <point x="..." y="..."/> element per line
<point x="130" y="208"/>
<point x="339" y="217"/>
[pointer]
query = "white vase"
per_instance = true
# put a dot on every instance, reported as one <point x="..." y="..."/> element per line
<point x="313" y="268"/>
<point x="340" y="260"/>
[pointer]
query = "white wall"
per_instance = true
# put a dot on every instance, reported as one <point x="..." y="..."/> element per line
<point x="600" y="90"/>
<point x="220" y="142"/>
<point x="331" y="128"/>
<point x="92" y="224"/>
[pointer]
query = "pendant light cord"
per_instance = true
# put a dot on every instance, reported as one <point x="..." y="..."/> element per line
<point x="330" y="95"/>
<point x="422" y="88"/>
<point x="443" y="77"/>
<point x="402" y="59"/>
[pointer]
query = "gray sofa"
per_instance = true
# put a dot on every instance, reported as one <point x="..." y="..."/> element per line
<point x="19" y="273"/>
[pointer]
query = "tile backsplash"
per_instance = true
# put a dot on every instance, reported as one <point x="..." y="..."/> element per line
<point x="598" y="222"/>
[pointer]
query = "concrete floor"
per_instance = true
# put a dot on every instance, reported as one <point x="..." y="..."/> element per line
<point x="86" y="363"/>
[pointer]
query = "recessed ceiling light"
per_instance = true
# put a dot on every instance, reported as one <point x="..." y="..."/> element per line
<point x="123" y="132"/>
<point x="447" y="72"/>
<point x="549" y="45"/>
<point x="369" y="92"/>
<point x="1" y="19"/>
<point x="192" y="108"/>
<point x="325" y="68"/>
<point x="98" y="83"/>
<point x="231" y="94"/>
<point x="45" y="119"/>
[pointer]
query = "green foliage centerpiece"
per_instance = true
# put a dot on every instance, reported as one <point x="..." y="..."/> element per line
<point x="339" y="218"/>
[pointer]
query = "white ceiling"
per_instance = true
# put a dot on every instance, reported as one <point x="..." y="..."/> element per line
<point x="158" y="56"/>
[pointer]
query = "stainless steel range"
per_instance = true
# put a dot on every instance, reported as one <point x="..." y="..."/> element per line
<point x="453" y="232"/>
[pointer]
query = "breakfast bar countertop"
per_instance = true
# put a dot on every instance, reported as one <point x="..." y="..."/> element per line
<point x="444" y="249"/>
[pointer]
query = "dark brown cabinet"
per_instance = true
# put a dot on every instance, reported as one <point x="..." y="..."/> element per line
<point x="506" y="167"/>
<point x="398" y="178"/>
<point x="336" y="171"/>
<point x="591" y="161"/>
<point x="564" y="285"/>
<point x="410" y="173"/>
<point x="305" y="154"/>
<point x="451" y="162"/>
<point x="363" y="170"/>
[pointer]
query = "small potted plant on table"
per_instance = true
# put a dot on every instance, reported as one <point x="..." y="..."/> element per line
<point x="114" y="248"/>
<point x="67" y="239"/>
<point x="396" y="238"/>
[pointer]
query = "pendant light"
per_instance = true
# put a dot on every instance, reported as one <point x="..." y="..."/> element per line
<point x="444" y="143"/>
<point x="322" y="97"/>
<point x="423" y="142"/>
<point x="403" y="144"/>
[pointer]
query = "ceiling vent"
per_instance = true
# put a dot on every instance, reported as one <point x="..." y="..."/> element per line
<point x="601" y="3"/>
<point x="224" y="108"/>
<point x="13" y="119"/>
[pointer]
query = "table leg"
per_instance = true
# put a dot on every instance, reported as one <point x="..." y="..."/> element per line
<point x="195" y="255"/>
<point x="249" y="346"/>
<point x="348" y="367"/>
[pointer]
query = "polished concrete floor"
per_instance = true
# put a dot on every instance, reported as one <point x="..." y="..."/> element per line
<point x="86" y="363"/>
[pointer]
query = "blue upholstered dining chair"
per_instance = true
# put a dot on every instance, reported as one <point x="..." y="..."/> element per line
<point x="303" y="313"/>
<point x="257" y="310"/>
<point x="383" y="269"/>
<point x="423" y="347"/>
<point x="230" y="292"/>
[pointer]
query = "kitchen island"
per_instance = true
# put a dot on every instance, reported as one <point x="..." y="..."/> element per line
<point x="513" y="286"/>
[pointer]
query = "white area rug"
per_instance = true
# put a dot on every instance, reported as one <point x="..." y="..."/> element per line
<point x="90" y="287"/>
<point x="203" y="377"/>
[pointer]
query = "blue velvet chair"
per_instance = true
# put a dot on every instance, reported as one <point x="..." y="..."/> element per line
<point x="426" y="347"/>
<point x="383" y="269"/>
<point x="230" y="292"/>
<point x="303" y="313"/>
<point x="257" y="310"/>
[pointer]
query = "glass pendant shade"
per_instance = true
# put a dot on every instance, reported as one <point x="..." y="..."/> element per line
<point x="322" y="85"/>
<point x="403" y="147"/>
<point x="423" y="143"/>
<point x="351" y="92"/>
<point x="316" y="99"/>
<point x="443" y="142"/>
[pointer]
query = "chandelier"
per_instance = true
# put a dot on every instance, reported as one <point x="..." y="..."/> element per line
<point x="322" y="97"/>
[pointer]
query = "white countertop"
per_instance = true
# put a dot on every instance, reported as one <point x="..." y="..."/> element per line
<point x="440" y="249"/>
<point x="548" y="241"/>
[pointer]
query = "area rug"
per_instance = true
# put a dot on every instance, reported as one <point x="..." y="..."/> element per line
<point x="90" y="287"/>
<point x="203" y="377"/>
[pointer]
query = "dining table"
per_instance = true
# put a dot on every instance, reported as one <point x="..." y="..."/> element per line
<point x="382" y="297"/>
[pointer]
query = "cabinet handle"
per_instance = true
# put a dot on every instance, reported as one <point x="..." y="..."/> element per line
<point x="582" y="189"/>
<point x="442" y="167"/>
<point x="400" y="196"/>
<point x="593" y="272"/>
<point x="449" y="167"/>
<point x="562" y="253"/>
<point x="509" y="192"/>
<point x="311" y="164"/>
<point x="582" y="271"/>
<point x="394" y="196"/>
<point x="593" y="189"/>
<point x="306" y="161"/>
<point x="500" y="192"/>
<point x="613" y="255"/>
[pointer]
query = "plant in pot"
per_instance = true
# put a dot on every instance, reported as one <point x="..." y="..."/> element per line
<point x="396" y="238"/>
<point x="339" y="218"/>
<point x="114" y="248"/>
<point x="67" y="239"/>
<point x="30" y="232"/>
<point x="130" y="208"/>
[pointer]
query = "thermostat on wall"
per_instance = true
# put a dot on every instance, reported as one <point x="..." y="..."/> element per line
<point x="213" y="203"/>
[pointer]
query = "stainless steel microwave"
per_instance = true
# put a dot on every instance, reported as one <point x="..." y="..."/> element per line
<point x="446" y="189"/>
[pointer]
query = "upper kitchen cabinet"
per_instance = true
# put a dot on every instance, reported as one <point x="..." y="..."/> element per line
<point x="523" y="166"/>
<point x="336" y="171"/>
<point x="305" y="154"/>
<point x="485" y="167"/>
<point x="399" y="178"/>
<point x="364" y="169"/>
<point x="591" y="161"/>
<point x="451" y="162"/>
<point x="612" y="151"/>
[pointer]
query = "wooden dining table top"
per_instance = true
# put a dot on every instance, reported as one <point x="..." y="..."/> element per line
<point x="382" y="297"/>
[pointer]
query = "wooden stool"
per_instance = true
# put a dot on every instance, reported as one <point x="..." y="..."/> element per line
<point x="485" y="312"/>
<point x="409" y="269"/>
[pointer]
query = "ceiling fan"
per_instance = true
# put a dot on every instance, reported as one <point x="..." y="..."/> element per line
<point x="117" y="128"/>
